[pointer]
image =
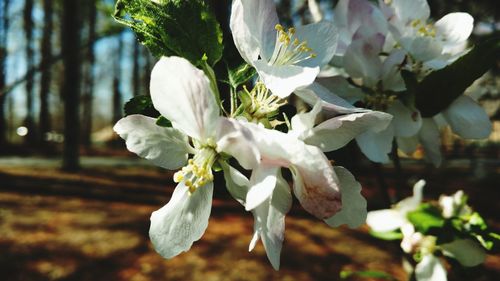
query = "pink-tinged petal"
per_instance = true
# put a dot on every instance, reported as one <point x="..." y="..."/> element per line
<point x="430" y="269"/>
<point x="454" y="29"/>
<point x="361" y="59"/>
<point x="282" y="80"/>
<point x="406" y="122"/>
<point x="351" y="15"/>
<point x="182" y="94"/>
<point x="430" y="138"/>
<point x="322" y="38"/>
<point x="377" y="145"/>
<point x="165" y="147"/>
<point x="353" y="211"/>
<point x="182" y="221"/>
<point x="468" y="119"/>
<point x="316" y="185"/>
<point x="252" y="25"/>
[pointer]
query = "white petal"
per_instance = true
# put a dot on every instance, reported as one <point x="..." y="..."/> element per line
<point x="361" y="59"/>
<point x="408" y="10"/>
<point x="252" y="25"/>
<point x="376" y="145"/>
<point x="406" y="122"/>
<point x="350" y="15"/>
<point x="182" y="221"/>
<point x="269" y="222"/>
<point x="385" y="220"/>
<point x="165" y="147"/>
<point x="430" y="138"/>
<point x="353" y="211"/>
<point x="315" y="182"/>
<point x="430" y="269"/>
<point x="422" y="48"/>
<point x="467" y="252"/>
<point x="303" y="122"/>
<point x="342" y="88"/>
<point x="262" y="184"/>
<point x="336" y="132"/>
<point x="468" y="119"/>
<point x="236" y="183"/>
<point x="391" y="72"/>
<point x="408" y="145"/>
<point x="322" y="38"/>
<point x="411" y="203"/>
<point x="236" y="140"/>
<point x="454" y="28"/>
<point x="331" y="102"/>
<point x="283" y="80"/>
<point x="182" y="94"/>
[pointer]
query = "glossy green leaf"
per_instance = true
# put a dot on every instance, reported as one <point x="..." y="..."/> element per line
<point x="426" y="218"/>
<point x="141" y="104"/>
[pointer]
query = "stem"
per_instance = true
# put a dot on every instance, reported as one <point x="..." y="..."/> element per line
<point x="233" y="101"/>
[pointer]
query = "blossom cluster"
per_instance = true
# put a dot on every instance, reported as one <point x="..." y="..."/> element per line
<point x="345" y="79"/>
<point x="428" y="230"/>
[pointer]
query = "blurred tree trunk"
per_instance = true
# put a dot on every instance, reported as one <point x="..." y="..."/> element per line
<point x="70" y="40"/>
<point x="88" y="94"/>
<point x="28" y="31"/>
<point x="117" y="95"/>
<point x="284" y="8"/>
<point x="147" y="70"/>
<point x="3" y="70"/>
<point x="46" y="73"/>
<point x="136" y="75"/>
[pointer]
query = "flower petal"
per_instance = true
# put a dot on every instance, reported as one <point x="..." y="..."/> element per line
<point x="353" y="211"/>
<point x="406" y="122"/>
<point x="236" y="183"/>
<point x="361" y="59"/>
<point x="430" y="269"/>
<point x="336" y="132"/>
<point x="269" y="221"/>
<point x="236" y="140"/>
<point x="341" y="87"/>
<point x="322" y="38"/>
<point x="331" y="103"/>
<point x="408" y="145"/>
<point x="468" y="119"/>
<point x="385" y="220"/>
<point x="454" y="28"/>
<point x="467" y="252"/>
<point x="165" y="147"/>
<point x="408" y="10"/>
<point x="282" y="80"/>
<point x="252" y="26"/>
<point x="315" y="182"/>
<point x="262" y="184"/>
<point x="391" y="72"/>
<point x="376" y="145"/>
<point x="182" y="94"/>
<point x="430" y="138"/>
<point x="182" y="221"/>
<point x="422" y="48"/>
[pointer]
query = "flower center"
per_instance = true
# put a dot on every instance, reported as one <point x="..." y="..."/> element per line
<point x="423" y="29"/>
<point x="261" y="103"/>
<point x="289" y="49"/>
<point x="198" y="172"/>
<point x="379" y="101"/>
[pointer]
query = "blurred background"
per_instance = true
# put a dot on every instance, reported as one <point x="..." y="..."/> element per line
<point x="75" y="204"/>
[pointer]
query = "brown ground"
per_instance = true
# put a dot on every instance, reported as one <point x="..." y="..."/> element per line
<point x="93" y="226"/>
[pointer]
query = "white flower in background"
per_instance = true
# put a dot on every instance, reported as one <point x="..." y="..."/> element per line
<point x="454" y="205"/>
<point x="436" y="45"/>
<point x="284" y="59"/>
<point x="182" y="94"/>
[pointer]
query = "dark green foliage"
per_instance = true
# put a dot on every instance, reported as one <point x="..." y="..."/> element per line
<point x="141" y="104"/>
<point x="240" y="75"/>
<point x="426" y="218"/>
<point x="175" y="27"/>
<point x="440" y="88"/>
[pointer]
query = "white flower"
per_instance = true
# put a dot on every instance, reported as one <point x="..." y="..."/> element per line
<point x="182" y="94"/>
<point x="435" y="44"/>
<point x="284" y="59"/>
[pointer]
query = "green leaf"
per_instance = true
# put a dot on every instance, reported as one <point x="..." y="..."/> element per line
<point x="182" y="28"/>
<point x="426" y="218"/>
<point x="141" y="104"/>
<point x="163" y="122"/>
<point x="440" y="88"/>
<point x="390" y="235"/>
<point x="345" y="274"/>
<point x="240" y="75"/>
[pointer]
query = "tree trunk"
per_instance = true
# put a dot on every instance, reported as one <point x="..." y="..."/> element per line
<point x="70" y="39"/>
<point x="117" y="95"/>
<point x="135" y="70"/>
<point x="147" y="70"/>
<point x="3" y="70"/>
<point x="46" y="74"/>
<point x="88" y="95"/>
<point x="28" y="30"/>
